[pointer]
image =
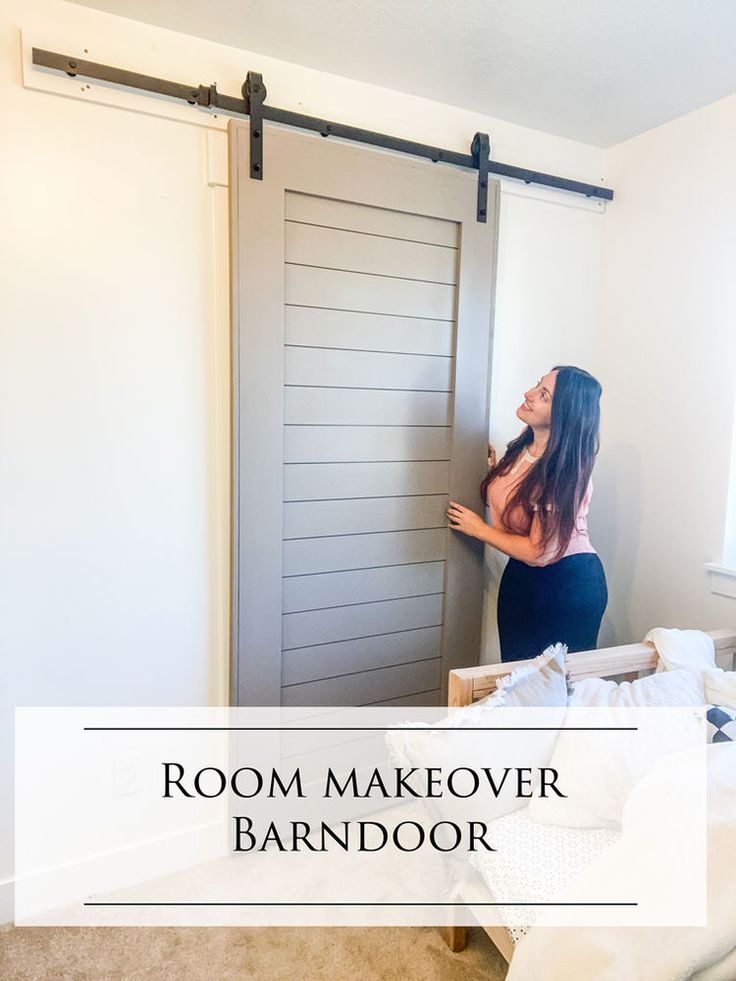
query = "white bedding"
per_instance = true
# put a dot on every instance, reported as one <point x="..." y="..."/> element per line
<point x="533" y="862"/>
<point x="549" y="953"/>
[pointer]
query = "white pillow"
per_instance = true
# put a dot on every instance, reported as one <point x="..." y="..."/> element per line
<point x="695" y="650"/>
<point x="597" y="771"/>
<point x="541" y="684"/>
<point x="675" y="648"/>
<point x="720" y="688"/>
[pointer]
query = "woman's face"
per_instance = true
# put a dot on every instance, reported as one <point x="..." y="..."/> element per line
<point x="536" y="409"/>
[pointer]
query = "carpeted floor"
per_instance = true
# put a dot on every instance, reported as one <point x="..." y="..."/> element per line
<point x="229" y="953"/>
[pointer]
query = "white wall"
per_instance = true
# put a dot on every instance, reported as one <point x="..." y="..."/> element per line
<point x="113" y="363"/>
<point x="668" y="367"/>
<point x="547" y="313"/>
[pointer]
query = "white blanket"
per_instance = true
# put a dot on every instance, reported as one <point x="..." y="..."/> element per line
<point x="549" y="953"/>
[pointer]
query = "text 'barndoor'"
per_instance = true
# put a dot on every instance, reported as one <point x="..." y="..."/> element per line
<point x="362" y="312"/>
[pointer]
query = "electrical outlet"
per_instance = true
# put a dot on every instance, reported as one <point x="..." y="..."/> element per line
<point x="127" y="774"/>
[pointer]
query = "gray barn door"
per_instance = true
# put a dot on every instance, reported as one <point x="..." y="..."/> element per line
<point x="362" y="310"/>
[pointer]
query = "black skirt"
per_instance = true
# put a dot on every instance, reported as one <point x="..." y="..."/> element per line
<point x="562" y="602"/>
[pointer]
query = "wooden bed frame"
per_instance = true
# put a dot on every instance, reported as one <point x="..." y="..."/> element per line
<point x="468" y="685"/>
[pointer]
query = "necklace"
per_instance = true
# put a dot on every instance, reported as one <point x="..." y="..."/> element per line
<point x="525" y="457"/>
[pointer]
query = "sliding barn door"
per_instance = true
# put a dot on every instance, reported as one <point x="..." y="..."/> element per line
<point x="362" y="310"/>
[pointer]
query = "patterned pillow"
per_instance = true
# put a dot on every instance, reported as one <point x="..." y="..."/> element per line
<point x="721" y="723"/>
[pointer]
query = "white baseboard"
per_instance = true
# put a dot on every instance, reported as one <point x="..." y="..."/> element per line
<point x="55" y="889"/>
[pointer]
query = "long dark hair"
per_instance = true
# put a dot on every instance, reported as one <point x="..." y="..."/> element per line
<point x="555" y="486"/>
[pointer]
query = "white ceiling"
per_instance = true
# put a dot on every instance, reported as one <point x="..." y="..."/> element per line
<point x="597" y="71"/>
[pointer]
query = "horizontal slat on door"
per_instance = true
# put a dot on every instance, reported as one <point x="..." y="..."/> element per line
<point x="316" y="406"/>
<point x="367" y="331"/>
<point x="361" y="586"/>
<point x="366" y="369"/>
<point x="312" y="519"/>
<point x="367" y="687"/>
<point x="328" y="481"/>
<point x="334" y="248"/>
<point x="373" y="294"/>
<point x="309" y="555"/>
<point x="329" y="660"/>
<point x="422" y="698"/>
<point x="335" y="444"/>
<point x="377" y="221"/>
<point x="362" y="620"/>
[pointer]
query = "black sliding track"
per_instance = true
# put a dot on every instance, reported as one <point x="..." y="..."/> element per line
<point x="252" y="104"/>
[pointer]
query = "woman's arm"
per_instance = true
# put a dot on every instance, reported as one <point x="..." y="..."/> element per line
<point x="526" y="548"/>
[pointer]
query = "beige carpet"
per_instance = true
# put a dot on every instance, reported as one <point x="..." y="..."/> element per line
<point x="229" y="953"/>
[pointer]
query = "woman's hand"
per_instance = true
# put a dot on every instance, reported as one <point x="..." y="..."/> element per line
<point x="466" y="521"/>
<point x="525" y="548"/>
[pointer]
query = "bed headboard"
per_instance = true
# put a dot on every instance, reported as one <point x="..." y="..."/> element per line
<point x="467" y="685"/>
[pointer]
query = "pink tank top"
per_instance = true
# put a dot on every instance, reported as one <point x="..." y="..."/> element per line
<point x="501" y="488"/>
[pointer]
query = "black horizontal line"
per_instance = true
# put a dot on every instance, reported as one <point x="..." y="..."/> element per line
<point x="366" y="425"/>
<point x="358" y="231"/>
<point x="343" y="640"/>
<point x="364" y="568"/>
<point x="369" y="350"/>
<point x="359" y="534"/>
<point x="363" y="272"/>
<point x="400" y="698"/>
<point x="322" y="463"/>
<point x="355" y="903"/>
<point x="370" y="313"/>
<point x="341" y="606"/>
<point x="372" y="497"/>
<point x="350" y="674"/>
<point x="372" y="388"/>
<point x="288" y="728"/>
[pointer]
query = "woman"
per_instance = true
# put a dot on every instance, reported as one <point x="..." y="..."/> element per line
<point x="553" y="587"/>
